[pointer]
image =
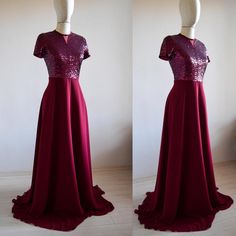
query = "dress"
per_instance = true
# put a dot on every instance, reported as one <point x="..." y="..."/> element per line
<point x="185" y="197"/>
<point x="62" y="194"/>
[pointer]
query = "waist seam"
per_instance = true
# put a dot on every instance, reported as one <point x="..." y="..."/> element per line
<point x="60" y="77"/>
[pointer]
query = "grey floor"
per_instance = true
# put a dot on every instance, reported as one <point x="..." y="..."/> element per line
<point x="115" y="182"/>
<point x="225" y="221"/>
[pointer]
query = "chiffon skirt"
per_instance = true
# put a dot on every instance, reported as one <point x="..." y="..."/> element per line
<point x="62" y="194"/>
<point x="185" y="196"/>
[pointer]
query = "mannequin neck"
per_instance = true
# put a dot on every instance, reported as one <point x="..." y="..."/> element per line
<point x="63" y="27"/>
<point x="188" y="31"/>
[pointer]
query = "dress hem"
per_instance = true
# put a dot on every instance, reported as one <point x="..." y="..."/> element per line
<point x="52" y="221"/>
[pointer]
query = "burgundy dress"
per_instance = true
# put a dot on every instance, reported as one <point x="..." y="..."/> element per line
<point x="185" y="196"/>
<point x="62" y="194"/>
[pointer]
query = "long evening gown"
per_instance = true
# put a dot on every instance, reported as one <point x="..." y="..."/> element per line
<point x="185" y="196"/>
<point x="62" y="194"/>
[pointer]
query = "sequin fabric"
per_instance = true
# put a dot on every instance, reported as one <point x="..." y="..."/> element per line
<point x="63" y="58"/>
<point x="187" y="57"/>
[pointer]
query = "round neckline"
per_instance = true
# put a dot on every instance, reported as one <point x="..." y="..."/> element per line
<point x="187" y="37"/>
<point x="63" y="34"/>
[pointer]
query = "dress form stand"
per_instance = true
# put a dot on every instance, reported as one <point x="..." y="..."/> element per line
<point x="190" y="13"/>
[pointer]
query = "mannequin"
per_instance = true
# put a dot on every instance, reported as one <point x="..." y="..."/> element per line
<point x="62" y="194"/>
<point x="190" y="13"/>
<point x="64" y="10"/>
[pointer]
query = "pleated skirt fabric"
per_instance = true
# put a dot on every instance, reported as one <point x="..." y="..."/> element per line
<point x="185" y="197"/>
<point x="62" y="194"/>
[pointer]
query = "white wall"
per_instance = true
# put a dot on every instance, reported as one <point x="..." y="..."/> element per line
<point x="153" y="79"/>
<point x="105" y="78"/>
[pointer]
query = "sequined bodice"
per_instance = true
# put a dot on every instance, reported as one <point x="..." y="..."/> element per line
<point x="187" y="57"/>
<point x="63" y="57"/>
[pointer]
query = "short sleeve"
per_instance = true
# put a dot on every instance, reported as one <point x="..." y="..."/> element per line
<point x="207" y="56"/>
<point x="166" y="50"/>
<point x="86" y="53"/>
<point x="208" y="59"/>
<point x="40" y="47"/>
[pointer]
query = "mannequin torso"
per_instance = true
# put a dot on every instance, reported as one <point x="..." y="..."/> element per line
<point x="64" y="10"/>
<point x="190" y="14"/>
